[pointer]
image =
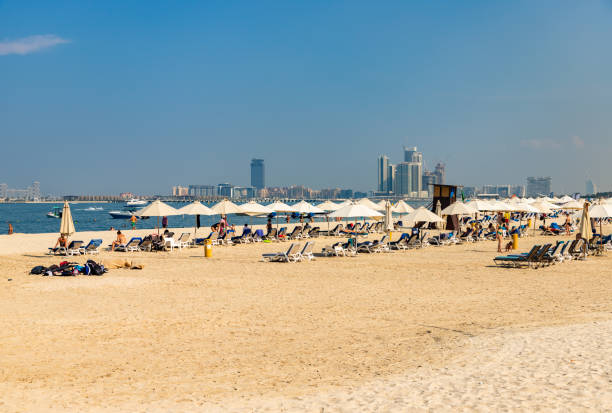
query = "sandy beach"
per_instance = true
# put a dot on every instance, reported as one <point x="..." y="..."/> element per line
<point x="437" y="328"/>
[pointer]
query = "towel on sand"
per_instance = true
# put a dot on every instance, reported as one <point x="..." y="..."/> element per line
<point x="123" y="264"/>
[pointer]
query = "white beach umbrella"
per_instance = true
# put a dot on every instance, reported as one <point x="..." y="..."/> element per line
<point x="544" y="204"/>
<point x="458" y="208"/>
<point x="195" y="208"/>
<point x="355" y="211"/>
<point x="402" y="207"/>
<point x="565" y="199"/>
<point x="525" y="207"/>
<point x="328" y="206"/>
<point x="480" y="205"/>
<point x="370" y="204"/>
<point x="280" y="207"/>
<point x="573" y="204"/>
<point x="422" y="214"/>
<point x="304" y="207"/>
<point x="382" y="203"/>
<point x="157" y="209"/>
<point x="225" y="207"/>
<point x="254" y="209"/>
<point x="66" y="224"/>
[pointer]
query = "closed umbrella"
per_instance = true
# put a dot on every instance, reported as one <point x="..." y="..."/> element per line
<point x="388" y="218"/>
<point x="439" y="213"/>
<point x="585" y="223"/>
<point x="66" y="224"/>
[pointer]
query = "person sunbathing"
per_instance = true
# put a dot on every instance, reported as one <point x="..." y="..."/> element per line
<point x="119" y="241"/>
<point x="62" y="241"/>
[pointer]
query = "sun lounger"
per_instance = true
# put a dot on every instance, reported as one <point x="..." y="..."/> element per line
<point x="520" y="260"/>
<point x="131" y="245"/>
<point x="295" y="234"/>
<point x="93" y="247"/>
<point x="305" y="253"/>
<point x="286" y="256"/>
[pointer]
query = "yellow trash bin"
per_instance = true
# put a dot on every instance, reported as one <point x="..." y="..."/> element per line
<point x="529" y="223"/>
<point x="208" y="248"/>
<point x="514" y="241"/>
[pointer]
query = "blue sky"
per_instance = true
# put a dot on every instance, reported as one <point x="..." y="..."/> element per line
<point x="104" y="97"/>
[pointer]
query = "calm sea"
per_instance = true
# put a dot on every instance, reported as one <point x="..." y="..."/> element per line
<point x="32" y="218"/>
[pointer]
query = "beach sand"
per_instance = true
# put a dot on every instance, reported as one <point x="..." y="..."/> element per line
<point x="436" y="328"/>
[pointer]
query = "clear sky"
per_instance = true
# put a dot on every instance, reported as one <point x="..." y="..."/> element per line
<point x="104" y="97"/>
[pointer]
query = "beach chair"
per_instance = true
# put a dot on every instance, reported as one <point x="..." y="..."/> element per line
<point x="74" y="248"/>
<point x="283" y="256"/>
<point x="401" y="243"/>
<point x="183" y="240"/>
<point x="282" y="234"/>
<point x="335" y="249"/>
<point x="305" y="253"/>
<point x="131" y="245"/>
<point x="578" y="250"/>
<point x="314" y="232"/>
<point x="271" y="235"/>
<point x="295" y="234"/>
<point x="93" y="247"/>
<point x="550" y="257"/>
<point x="517" y="261"/>
<point x="381" y="245"/>
<point x="146" y="244"/>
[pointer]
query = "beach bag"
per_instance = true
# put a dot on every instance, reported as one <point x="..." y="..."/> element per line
<point x="39" y="269"/>
<point x="95" y="268"/>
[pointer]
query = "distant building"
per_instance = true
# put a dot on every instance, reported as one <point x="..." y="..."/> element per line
<point x="3" y="191"/>
<point x="440" y="173"/>
<point x="202" y="191"/>
<point x="345" y="194"/>
<point x="258" y="173"/>
<point x="408" y="179"/>
<point x="225" y="190"/>
<point x="412" y="155"/>
<point x="243" y="192"/>
<point x="127" y="195"/>
<point x="538" y="186"/>
<point x="383" y="173"/>
<point x="429" y="180"/>
<point x="591" y="188"/>
<point x="180" y="190"/>
<point x="518" y="190"/>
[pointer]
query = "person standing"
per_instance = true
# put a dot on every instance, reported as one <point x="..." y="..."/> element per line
<point x="499" y="236"/>
<point x="10" y="229"/>
<point x="164" y="222"/>
<point x="133" y="220"/>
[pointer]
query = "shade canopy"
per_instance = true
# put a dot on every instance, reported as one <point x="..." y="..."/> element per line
<point x="544" y="206"/>
<point x="458" y="208"/>
<point x="304" y="207"/>
<point x="226" y="207"/>
<point x="480" y="205"/>
<point x="370" y="204"/>
<point x="157" y="209"/>
<point x="525" y="207"/>
<point x="280" y="207"/>
<point x="355" y="211"/>
<point x="328" y="206"/>
<point x="382" y="203"/>
<point x="66" y="224"/>
<point x="573" y="204"/>
<point x="195" y="208"/>
<point x="565" y="199"/>
<point x="422" y="214"/>
<point x="601" y="211"/>
<point x="402" y="207"/>
<point x="252" y="208"/>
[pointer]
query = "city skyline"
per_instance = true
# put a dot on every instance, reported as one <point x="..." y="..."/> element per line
<point x="114" y="92"/>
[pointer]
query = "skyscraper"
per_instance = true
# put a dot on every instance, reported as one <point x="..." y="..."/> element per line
<point x="383" y="173"/>
<point x="538" y="186"/>
<point x="591" y="188"/>
<point x="440" y="172"/>
<point x="258" y="174"/>
<point x="412" y="155"/>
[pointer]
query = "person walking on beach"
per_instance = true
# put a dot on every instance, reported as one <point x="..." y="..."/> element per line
<point x="133" y="221"/>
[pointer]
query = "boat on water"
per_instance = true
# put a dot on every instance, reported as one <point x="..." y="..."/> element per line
<point x="56" y="213"/>
<point x="136" y="202"/>
<point x="124" y="215"/>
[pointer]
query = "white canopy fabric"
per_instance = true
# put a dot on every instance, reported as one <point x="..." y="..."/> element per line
<point x="422" y="214"/>
<point x="545" y="205"/>
<point x="525" y="207"/>
<point x="402" y="207"/>
<point x="480" y="205"/>
<point x="566" y="198"/>
<point x="252" y="208"/>
<point x="226" y="207"/>
<point x="304" y="207"/>
<point x="458" y="208"/>
<point x="280" y="207"/>
<point x="328" y="206"/>
<point x="382" y="203"/>
<point x="355" y="211"/>
<point x="195" y="208"/>
<point x="573" y="204"/>
<point x="601" y="211"/>
<point x="66" y="224"/>
<point x="370" y="204"/>
<point x="157" y="209"/>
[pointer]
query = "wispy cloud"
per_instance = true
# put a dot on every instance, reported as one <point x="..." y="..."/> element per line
<point x="30" y="44"/>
